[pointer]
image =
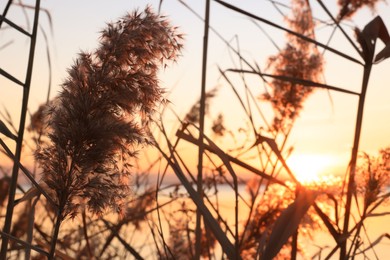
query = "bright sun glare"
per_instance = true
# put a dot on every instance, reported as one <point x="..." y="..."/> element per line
<point x="308" y="168"/>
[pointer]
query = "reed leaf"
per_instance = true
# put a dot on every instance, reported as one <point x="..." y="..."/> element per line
<point x="225" y="243"/>
<point x="327" y="223"/>
<point x="288" y="222"/>
<point x="10" y="77"/>
<point x="234" y="160"/>
<point x="383" y="54"/>
<point x="27" y="173"/>
<point x="376" y="242"/>
<point x="5" y="131"/>
<point x="368" y="37"/>
<point x="337" y="23"/>
<point x="257" y="18"/>
<point x="129" y="248"/>
<point x="25" y="244"/>
<point x="272" y="144"/>
<point x="294" y="80"/>
<point x="308" y="83"/>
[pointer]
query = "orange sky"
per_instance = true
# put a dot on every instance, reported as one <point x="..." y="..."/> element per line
<point x="326" y="125"/>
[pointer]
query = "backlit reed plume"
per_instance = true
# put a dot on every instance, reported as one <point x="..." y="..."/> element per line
<point x="375" y="180"/>
<point x="182" y="236"/>
<point x="299" y="59"/>
<point x="99" y="119"/>
<point x="349" y="7"/>
<point x="262" y="220"/>
<point x="193" y="115"/>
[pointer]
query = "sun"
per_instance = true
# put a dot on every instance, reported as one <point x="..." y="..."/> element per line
<point x="308" y="168"/>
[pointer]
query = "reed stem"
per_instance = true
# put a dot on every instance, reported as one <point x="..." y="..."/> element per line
<point x="198" y="228"/>
<point x="19" y="142"/>
<point x="354" y="155"/>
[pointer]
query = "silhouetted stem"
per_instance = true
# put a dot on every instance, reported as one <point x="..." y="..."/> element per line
<point x="337" y="22"/>
<point x="55" y="234"/>
<point x="5" y="11"/>
<point x="355" y="149"/>
<point x="301" y="36"/>
<point x="30" y="228"/>
<point x="84" y="216"/>
<point x="220" y="235"/>
<point x="19" y="142"/>
<point x="294" y="246"/>
<point x="198" y="230"/>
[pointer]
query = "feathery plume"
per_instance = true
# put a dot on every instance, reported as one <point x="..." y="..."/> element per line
<point x="99" y="119"/>
<point x="299" y="59"/>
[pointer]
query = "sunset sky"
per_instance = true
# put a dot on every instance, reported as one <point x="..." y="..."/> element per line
<point x="326" y="126"/>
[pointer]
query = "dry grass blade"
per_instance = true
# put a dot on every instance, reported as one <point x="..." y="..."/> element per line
<point x="46" y="11"/>
<point x="368" y="37"/>
<point x="225" y="243"/>
<point x="225" y="159"/>
<point x="5" y="11"/>
<point x="383" y="54"/>
<point x="264" y="175"/>
<point x="309" y="83"/>
<point x="272" y="144"/>
<point x="380" y="31"/>
<point x="4" y="130"/>
<point x="48" y="15"/>
<point x="337" y="22"/>
<point x="10" y="77"/>
<point x="288" y="222"/>
<point x="377" y="241"/>
<point x="5" y="45"/>
<point x="15" y="26"/>
<point x="123" y="242"/>
<point x="59" y="253"/>
<point x="327" y="222"/>
<point x="25" y="244"/>
<point x="238" y="10"/>
<point x="303" y="82"/>
<point x="219" y="36"/>
<point x="49" y="65"/>
<point x="27" y="173"/>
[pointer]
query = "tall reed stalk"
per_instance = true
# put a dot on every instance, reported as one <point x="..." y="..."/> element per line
<point x="201" y="128"/>
<point x="100" y="118"/>
<point x="22" y="123"/>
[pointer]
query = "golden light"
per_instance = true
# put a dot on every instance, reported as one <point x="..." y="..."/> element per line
<point x="309" y="168"/>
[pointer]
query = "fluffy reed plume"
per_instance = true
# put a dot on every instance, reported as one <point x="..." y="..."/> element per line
<point x="349" y="7"/>
<point x="300" y="60"/>
<point x="193" y="115"/>
<point x="218" y="126"/>
<point x="99" y="119"/>
<point x="375" y="178"/>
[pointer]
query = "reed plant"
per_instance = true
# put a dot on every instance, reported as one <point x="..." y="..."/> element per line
<point x="89" y="138"/>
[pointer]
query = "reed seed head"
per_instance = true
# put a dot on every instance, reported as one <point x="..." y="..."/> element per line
<point x="100" y="117"/>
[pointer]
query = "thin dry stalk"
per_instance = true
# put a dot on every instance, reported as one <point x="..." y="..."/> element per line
<point x="202" y="109"/>
<point x="22" y="122"/>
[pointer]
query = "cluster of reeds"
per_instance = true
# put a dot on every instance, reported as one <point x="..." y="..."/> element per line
<point x="274" y="225"/>
<point x="90" y="134"/>
<point x="93" y="128"/>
